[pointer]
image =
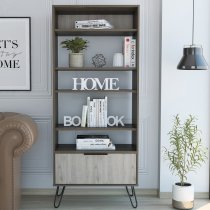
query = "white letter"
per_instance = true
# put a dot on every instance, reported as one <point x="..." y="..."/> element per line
<point x="102" y="85"/>
<point x="75" y="83"/>
<point x="67" y="121"/>
<point x="93" y="84"/>
<point x="108" y="121"/>
<point x="119" y="121"/>
<point x="113" y="84"/>
<point x="78" y="121"/>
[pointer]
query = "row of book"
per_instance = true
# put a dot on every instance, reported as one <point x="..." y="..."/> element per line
<point x="94" y="114"/>
<point x="94" y="142"/>
<point x="129" y="51"/>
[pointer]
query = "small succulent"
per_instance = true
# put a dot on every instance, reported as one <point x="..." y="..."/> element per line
<point x="76" y="45"/>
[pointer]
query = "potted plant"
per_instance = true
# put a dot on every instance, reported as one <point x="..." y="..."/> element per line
<point x="186" y="154"/>
<point x="76" y="45"/>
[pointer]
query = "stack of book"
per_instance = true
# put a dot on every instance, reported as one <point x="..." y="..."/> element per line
<point x="129" y="52"/>
<point x="94" y="142"/>
<point x="94" y="114"/>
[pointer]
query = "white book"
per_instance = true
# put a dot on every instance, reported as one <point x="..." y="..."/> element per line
<point x="133" y="53"/>
<point x="127" y="50"/>
<point x="96" y="147"/>
<point x="88" y="112"/>
<point x="93" y="141"/>
<point x="105" y="111"/>
<point x="84" y="115"/>
<point x="100" y="113"/>
<point x="95" y="101"/>
<point x="91" y="110"/>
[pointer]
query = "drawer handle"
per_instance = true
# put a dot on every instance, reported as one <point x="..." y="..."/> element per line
<point x="94" y="153"/>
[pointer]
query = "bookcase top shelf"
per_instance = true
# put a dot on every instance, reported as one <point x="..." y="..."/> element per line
<point x="95" y="32"/>
<point x="95" y="9"/>
<point x="129" y="127"/>
<point x="63" y="148"/>
<point x="96" y="69"/>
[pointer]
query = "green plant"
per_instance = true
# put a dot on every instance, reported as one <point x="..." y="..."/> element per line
<point x="186" y="152"/>
<point x="75" y="45"/>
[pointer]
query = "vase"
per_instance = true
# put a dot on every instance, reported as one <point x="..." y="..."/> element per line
<point x="183" y="196"/>
<point x="76" y="59"/>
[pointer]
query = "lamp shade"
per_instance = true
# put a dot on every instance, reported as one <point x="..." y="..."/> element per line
<point x="192" y="59"/>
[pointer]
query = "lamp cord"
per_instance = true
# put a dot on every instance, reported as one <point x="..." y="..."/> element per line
<point x="193" y="22"/>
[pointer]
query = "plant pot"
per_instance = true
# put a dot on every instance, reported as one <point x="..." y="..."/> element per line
<point x="183" y="196"/>
<point x="76" y="59"/>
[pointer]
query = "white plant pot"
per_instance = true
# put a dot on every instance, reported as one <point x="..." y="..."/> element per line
<point x="76" y="59"/>
<point x="183" y="196"/>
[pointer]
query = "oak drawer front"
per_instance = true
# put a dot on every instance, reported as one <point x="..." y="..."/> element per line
<point x="95" y="169"/>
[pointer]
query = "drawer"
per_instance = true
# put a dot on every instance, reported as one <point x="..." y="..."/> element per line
<point x="95" y="168"/>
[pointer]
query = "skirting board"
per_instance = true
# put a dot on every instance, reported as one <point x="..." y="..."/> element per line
<point x="90" y="191"/>
<point x="197" y="195"/>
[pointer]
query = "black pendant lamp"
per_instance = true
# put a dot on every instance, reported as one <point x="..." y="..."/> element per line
<point x="193" y="54"/>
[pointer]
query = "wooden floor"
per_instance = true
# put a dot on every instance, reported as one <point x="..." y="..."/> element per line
<point x="103" y="203"/>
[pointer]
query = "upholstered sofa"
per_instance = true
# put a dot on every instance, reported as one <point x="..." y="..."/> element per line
<point x="17" y="134"/>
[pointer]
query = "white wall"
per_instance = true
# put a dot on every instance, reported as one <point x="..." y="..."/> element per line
<point x="37" y="163"/>
<point x="184" y="92"/>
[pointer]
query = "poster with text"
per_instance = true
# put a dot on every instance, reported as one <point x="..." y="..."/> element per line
<point x="15" y="53"/>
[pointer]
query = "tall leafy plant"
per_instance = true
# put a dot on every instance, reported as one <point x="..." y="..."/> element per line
<point x="186" y="152"/>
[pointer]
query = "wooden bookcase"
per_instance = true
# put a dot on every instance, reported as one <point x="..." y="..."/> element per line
<point x="75" y="167"/>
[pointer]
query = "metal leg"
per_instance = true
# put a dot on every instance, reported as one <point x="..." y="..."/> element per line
<point x="132" y="196"/>
<point x="58" y="196"/>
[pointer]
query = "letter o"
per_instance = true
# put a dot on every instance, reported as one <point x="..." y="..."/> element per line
<point x="76" y="121"/>
<point x="111" y="118"/>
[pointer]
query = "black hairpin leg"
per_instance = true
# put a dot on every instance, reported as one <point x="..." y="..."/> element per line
<point x="58" y="196"/>
<point x="132" y="196"/>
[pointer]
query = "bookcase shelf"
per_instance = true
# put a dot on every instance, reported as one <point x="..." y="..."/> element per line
<point x="83" y="167"/>
<point x="96" y="32"/>
<point x="103" y="69"/>
<point x="95" y="91"/>
<point x="65" y="148"/>
<point x="127" y="127"/>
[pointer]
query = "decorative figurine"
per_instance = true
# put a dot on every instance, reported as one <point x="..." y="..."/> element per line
<point x="99" y="60"/>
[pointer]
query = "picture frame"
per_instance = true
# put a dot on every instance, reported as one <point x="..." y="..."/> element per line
<point x="15" y="54"/>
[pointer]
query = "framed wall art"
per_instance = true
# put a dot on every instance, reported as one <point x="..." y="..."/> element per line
<point x="15" y="53"/>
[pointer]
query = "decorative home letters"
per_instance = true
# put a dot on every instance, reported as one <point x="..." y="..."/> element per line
<point x="76" y="121"/>
<point x="95" y="84"/>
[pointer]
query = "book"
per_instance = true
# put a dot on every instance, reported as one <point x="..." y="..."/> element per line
<point x="96" y="147"/>
<point x="105" y="111"/>
<point x="92" y="136"/>
<point x="88" y="112"/>
<point x="94" y="24"/>
<point x="93" y="141"/>
<point x="84" y="115"/>
<point x="127" y="49"/>
<point x="133" y="53"/>
<point x="97" y="112"/>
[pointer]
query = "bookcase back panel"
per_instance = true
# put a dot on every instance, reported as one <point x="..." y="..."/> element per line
<point x="123" y="79"/>
<point x="118" y="21"/>
<point x="122" y="137"/>
<point x="96" y="45"/>
<point x="119" y="104"/>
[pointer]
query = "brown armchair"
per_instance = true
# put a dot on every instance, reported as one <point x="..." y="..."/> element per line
<point x="17" y="134"/>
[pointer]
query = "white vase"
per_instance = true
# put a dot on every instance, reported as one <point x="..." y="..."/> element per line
<point x="76" y="59"/>
<point x="183" y="196"/>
